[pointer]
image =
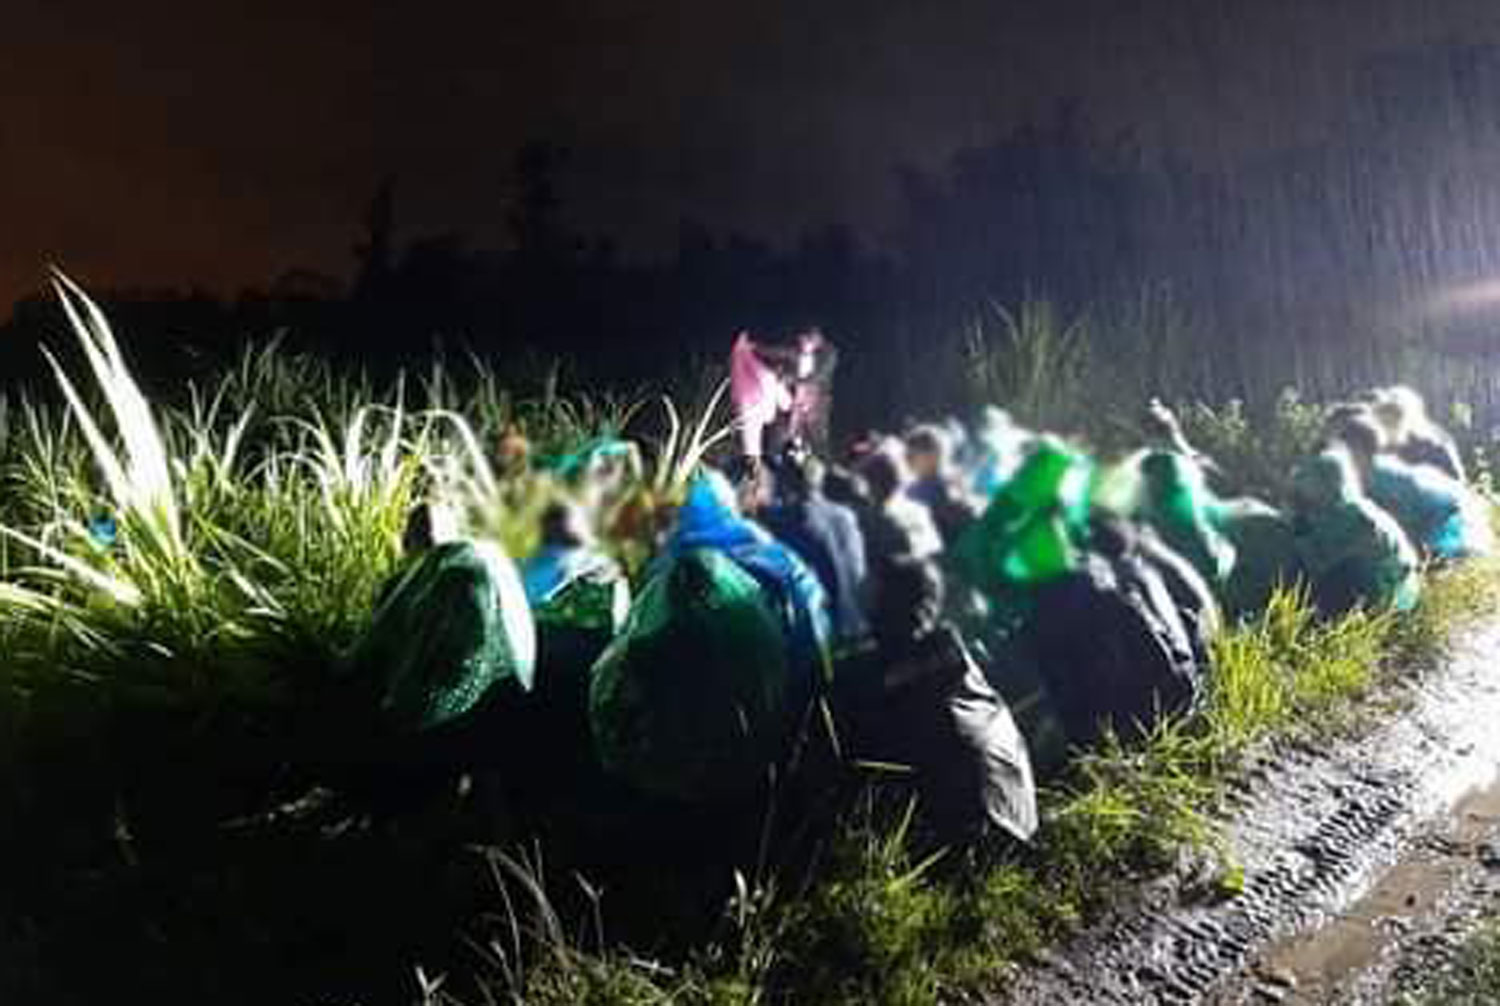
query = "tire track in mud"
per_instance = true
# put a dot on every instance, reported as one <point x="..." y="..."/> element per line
<point x="1316" y="828"/>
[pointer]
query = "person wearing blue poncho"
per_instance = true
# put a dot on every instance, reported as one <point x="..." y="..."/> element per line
<point x="569" y="579"/>
<point x="721" y="653"/>
<point x="710" y="519"/>
<point x="1443" y="517"/>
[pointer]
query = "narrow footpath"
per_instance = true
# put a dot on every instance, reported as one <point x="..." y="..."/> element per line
<point x="1365" y="862"/>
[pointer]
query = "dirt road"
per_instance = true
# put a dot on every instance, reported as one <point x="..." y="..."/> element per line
<point x="1365" y="860"/>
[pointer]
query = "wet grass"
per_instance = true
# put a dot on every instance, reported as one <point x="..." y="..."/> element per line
<point x="1472" y="979"/>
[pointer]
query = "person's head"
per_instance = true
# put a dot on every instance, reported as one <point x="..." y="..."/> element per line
<point x="810" y="340"/>
<point x="751" y="482"/>
<point x="793" y="453"/>
<point x="565" y="525"/>
<point x="800" y="479"/>
<point x="928" y="452"/>
<point x="611" y="469"/>
<point x="514" y="450"/>
<point x="1162" y="473"/>
<point x="995" y="421"/>
<point x="711" y="502"/>
<point x="1328" y="479"/>
<point x="431" y="523"/>
<point x="1342" y="412"/>
<point x="885" y="472"/>
<point x="1169" y="478"/>
<point x="1111" y="535"/>
<point x="1047" y="477"/>
<point x="1362" y="437"/>
<point x="842" y="485"/>
<point x="1400" y="410"/>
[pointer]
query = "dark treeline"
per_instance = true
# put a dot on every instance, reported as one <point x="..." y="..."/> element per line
<point x="1314" y="256"/>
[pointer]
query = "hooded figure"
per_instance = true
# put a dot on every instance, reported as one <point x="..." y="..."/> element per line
<point x="1114" y="645"/>
<point x="1442" y="516"/>
<point x="996" y="450"/>
<point x="1177" y="504"/>
<point x="569" y="579"/>
<point x="720" y="654"/>
<point x="450" y="646"/>
<point x="1266" y="553"/>
<point x="1030" y="532"/>
<point x="1353" y="551"/>
<point x="449" y="628"/>
<point x="690" y="700"/>
<point x="709" y="519"/>
<point x="1412" y="435"/>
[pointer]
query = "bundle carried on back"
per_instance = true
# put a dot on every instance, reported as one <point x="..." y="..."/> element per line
<point x="929" y="709"/>
<point x="1113" y="647"/>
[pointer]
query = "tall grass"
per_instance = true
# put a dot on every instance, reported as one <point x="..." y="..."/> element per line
<point x="1030" y="359"/>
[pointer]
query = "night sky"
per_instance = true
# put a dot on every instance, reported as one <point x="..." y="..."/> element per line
<point x="153" y="143"/>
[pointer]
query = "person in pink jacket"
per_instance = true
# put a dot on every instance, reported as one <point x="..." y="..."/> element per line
<point x="758" y="393"/>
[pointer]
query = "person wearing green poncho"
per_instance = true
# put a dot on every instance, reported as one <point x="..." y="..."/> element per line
<point x="722" y="650"/>
<point x="1266" y="553"/>
<point x="1176" y="503"/>
<point x="688" y="702"/>
<point x="450" y="642"/>
<point x="1029" y="533"/>
<point x="1244" y="547"/>
<point x="451" y="626"/>
<point x="1354" y="552"/>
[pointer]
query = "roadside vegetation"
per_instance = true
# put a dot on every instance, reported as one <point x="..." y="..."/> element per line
<point x="1472" y="978"/>
<point x="178" y="581"/>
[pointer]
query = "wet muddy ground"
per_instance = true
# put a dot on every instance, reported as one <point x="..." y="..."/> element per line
<point x="1366" y="860"/>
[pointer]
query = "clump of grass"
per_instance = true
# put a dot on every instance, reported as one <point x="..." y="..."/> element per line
<point x="1453" y="599"/>
<point x="1472" y="979"/>
<point x="1286" y="664"/>
<point x="1030" y="359"/>
<point x="867" y="930"/>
